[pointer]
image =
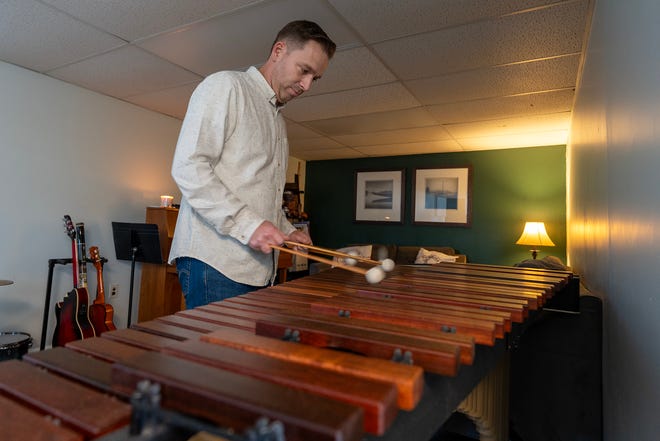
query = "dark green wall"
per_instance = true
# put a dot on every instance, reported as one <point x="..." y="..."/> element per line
<point x="508" y="187"/>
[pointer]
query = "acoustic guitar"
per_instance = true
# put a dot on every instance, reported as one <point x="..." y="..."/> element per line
<point x="72" y="313"/>
<point x="101" y="313"/>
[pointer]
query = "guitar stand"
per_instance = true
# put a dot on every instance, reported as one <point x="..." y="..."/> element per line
<point x="49" y="284"/>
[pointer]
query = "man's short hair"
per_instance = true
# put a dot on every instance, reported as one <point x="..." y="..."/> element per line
<point x="298" y="33"/>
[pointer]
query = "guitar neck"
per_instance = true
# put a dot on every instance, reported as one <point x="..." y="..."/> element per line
<point x="81" y="266"/>
<point x="74" y="262"/>
<point x="100" y="290"/>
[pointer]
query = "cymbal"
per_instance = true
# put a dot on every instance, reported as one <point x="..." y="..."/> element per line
<point x="6" y="282"/>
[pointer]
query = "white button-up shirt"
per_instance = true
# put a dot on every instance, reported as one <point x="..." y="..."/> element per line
<point x="230" y="165"/>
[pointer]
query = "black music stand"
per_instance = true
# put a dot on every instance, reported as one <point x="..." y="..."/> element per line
<point x="137" y="243"/>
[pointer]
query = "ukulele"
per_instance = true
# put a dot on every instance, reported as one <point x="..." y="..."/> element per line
<point x="72" y="312"/>
<point x="100" y="312"/>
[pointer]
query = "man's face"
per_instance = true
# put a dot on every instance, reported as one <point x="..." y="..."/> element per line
<point x="296" y="68"/>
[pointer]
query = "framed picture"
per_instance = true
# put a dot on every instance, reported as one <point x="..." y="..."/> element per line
<point x="442" y="196"/>
<point x="379" y="196"/>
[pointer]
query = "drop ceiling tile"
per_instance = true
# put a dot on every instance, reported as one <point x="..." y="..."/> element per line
<point x="373" y="122"/>
<point x="327" y="154"/>
<point x="242" y="38"/>
<point x="298" y="131"/>
<point x="317" y="143"/>
<point x="548" y="32"/>
<point x="504" y="107"/>
<point x="382" y="98"/>
<point x="414" y="148"/>
<point x="172" y="101"/>
<point x="508" y="126"/>
<point x="510" y="79"/>
<point x="38" y="37"/>
<point x="416" y="134"/>
<point x="125" y="72"/>
<point x="380" y="20"/>
<point x="133" y="19"/>
<point x="518" y="140"/>
<point x="351" y="69"/>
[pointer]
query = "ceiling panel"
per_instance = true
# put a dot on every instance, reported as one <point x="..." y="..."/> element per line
<point x="507" y="126"/>
<point x="381" y="98"/>
<point x="547" y="32"/>
<point x="504" y="107"/>
<point x="325" y="154"/>
<point x="315" y="143"/>
<point x="242" y="38"/>
<point x="172" y="101"/>
<point x="515" y="140"/>
<point x="380" y="20"/>
<point x="409" y="76"/>
<point x="420" y="134"/>
<point x="374" y="122"/>
<point x="124" y="72"/>
<point x="413" y="148"/>
<point x="298" y="131"/>
<point x="503" y="80"/>
<point x="40" y="38"/>
<point x="134" y="19"/>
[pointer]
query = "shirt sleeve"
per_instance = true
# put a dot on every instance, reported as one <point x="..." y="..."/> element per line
<point x="209" y="122"/>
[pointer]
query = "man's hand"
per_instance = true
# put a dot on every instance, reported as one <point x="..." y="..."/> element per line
<point x="300" y="237"/>
<point x="266" y="235"/>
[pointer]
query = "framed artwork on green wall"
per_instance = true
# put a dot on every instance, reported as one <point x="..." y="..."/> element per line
<point x="379" y="196"/>
<point x="442" y="196"/>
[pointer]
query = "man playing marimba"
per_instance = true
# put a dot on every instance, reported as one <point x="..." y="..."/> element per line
<point x="230" y="165"/>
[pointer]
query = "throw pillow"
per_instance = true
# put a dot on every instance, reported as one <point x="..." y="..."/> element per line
<point x="425" y="256"/>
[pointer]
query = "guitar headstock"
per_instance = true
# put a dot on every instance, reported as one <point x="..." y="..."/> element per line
<point x="69" y="227"/>
<point x="95" y="256"/>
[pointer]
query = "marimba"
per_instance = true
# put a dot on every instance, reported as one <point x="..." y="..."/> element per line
<point x="328" y="357"/>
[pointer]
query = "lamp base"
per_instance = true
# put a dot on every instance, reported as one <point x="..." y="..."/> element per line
<point x="534" y="253"/>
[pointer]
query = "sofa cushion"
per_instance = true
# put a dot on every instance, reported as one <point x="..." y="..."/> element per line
<point x="407" y="254"/>
<point x="427" y="257"/>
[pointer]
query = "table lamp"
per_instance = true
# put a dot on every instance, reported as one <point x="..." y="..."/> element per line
<point x="535" y="235"/>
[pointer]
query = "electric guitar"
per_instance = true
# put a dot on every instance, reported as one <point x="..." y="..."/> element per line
<point x="100" y="313"/>
<point x="72" y="312"/>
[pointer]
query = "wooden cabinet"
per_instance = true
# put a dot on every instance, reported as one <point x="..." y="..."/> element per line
<point x="160" y="291"/>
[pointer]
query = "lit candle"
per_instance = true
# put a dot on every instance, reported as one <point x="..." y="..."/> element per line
<point x="166" y="201"/>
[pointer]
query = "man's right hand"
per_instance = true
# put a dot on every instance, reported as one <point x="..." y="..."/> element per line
<point x="265" y="235"/>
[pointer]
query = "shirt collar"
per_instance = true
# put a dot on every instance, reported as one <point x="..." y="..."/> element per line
<point x="264" y="87"/>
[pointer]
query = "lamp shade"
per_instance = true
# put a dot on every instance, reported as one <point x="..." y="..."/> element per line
<point x="534" y="234"/>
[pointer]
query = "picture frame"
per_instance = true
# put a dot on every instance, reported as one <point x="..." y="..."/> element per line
<point x="379" y="196"/>
<point x="442" y="196"/>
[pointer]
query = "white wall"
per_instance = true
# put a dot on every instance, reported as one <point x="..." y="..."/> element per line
<point x="65" y="150"/>
<point x="614" y="206"/>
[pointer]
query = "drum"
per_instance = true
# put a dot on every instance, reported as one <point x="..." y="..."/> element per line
<point x="14" y="345"/>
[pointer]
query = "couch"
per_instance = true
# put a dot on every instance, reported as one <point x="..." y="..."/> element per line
<point x="407" y="254"/>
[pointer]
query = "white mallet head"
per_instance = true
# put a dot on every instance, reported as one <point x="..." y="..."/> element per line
<point x="375" y="275"/>
<point x="349" y="261"/>
<point x="387" y="265"/>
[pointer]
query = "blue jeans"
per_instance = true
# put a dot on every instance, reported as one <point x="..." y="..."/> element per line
<point x="202" y="284"/>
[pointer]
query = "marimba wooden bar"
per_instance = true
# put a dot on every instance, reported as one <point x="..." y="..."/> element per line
<point x="329" y="356"/>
